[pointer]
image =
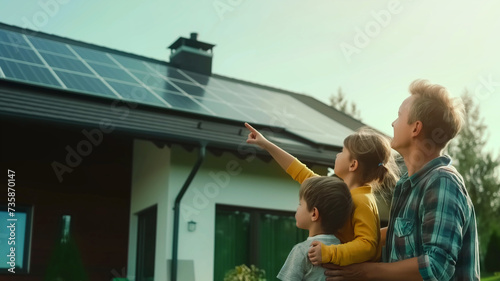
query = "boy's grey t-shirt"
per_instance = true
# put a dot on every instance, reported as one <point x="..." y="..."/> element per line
<point x="297" y="266"/>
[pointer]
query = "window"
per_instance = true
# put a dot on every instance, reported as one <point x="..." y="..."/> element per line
<point x="17" y="238"/>
<point x="254" y="236"/>
<point x="146" y="244"/>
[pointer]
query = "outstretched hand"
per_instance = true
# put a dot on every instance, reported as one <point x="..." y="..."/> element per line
<point x="314" y="253"/>
<point x="254" y="137"/>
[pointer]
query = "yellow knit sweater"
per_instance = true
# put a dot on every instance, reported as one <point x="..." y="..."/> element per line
<point x="360" y="235"/>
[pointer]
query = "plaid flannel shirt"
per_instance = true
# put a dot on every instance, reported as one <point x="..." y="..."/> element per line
<point x="432" y="218"/>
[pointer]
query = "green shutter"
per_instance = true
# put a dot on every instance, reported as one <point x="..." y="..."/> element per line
<point x="275" y="234"/>
<point x="231" y="241"/>
<point x="278" y="235"/>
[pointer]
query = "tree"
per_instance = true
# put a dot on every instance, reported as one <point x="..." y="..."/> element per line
<point x="479" y="170"/>
<point x="339" y="102"/>
<point x="66" y="261"/>
<point x="492" y="257"/>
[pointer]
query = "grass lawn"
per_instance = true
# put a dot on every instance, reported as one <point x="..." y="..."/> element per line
<point x="491" y="278"/>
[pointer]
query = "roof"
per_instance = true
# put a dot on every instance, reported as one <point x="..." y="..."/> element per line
<point x="56" y="79"/>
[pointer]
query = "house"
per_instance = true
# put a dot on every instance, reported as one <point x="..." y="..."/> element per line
<point x="143" y="163"/>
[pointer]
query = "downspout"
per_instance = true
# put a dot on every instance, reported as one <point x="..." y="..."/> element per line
<point x="175" y="242"/>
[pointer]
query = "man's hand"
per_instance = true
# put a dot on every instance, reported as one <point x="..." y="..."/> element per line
<point x="314" y="253"/>
<point x="254" y="137"/>
<point x="355" y="271"/>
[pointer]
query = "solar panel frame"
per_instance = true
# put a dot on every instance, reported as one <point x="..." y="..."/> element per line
<point x="228" y="97"/>
<point x="194" y="90"/>
<point x="139" y="81"/>
<point x="66" y="63"/>
<point x="18" y="52"/>
<point x="45" y="45"/>
<point x="85" y="83"/>
<point x="39" y="73"/>
<point x="131" y="64"/>
<point x="183" y="102"/>
<point x="12" y="38"/>
<point x="137" y="93"/>
<point x="223" y="110"/>
<point x="156" y="67"/>
<point x="171" y="87"/>
<point x="92" y="55"/>
<point x="195" y="77"/>
<point x="256" y="115"/>
<point x="109" y="72"/>
<point x="154" y="81"/>
<point x="175" y="75"/>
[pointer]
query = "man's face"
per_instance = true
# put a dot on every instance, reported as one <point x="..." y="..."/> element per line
<point x="402" y="130"/>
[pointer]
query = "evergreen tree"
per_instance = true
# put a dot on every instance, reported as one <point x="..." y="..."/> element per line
<point x="66" y="262"/>
<point x="492" y="258"/>
<point x="340" y="103"/>
<point x="479" y="170"/>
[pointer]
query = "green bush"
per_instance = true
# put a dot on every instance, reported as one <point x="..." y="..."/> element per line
<point x="492" y="258"/>
<point x="245" y="273"/>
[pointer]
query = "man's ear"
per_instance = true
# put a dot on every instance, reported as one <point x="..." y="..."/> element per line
<point x="353" y="166"/>
<point x="314" y="214"/>
<point x="417" y="128"/>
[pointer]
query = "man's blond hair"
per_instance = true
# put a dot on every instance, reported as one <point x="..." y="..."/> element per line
<point x="441" y="115"/>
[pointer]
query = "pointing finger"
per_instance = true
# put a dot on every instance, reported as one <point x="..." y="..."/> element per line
<point x="249" y="127"/>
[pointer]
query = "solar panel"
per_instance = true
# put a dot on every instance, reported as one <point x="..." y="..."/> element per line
<point x="176" y="75"/>
<point x="45" y="45"/>
<point x="65" y="63"/>
<point x="97" y="72"/>
<point x="84" y="83"/>
<point x="153" y="81"/>
<point x="19" y="53"/>
<point x="137" y="93"/>
<point x="27" y="73"/>
<point x="223" y="109"/>
<point x="12" y="38"/>
<point x="112" y="72"/>
<point x="195" y="78"/>
<point x="193" y="90"/>
<point x="157" y="69"/>
<point x="228" y="97"/>
<point x="256" y="115"/>
<point x="182" y="101"/>
<point x="92" y="55"/>
<point x="130" y="64"/>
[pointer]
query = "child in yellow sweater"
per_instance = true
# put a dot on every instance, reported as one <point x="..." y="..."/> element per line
<point x="366" y="159"/>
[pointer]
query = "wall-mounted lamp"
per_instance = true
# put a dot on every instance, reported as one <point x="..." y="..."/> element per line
<point x="191" y="226"/>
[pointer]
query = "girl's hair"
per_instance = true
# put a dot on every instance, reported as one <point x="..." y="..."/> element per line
<point x="332" y="198"/>
<point x="375" y="158"/>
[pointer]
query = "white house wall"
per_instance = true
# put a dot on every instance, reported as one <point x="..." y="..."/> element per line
<point x="150" y="177"/>
<point x="224" y="179"/>
<point x="158" y="175"/>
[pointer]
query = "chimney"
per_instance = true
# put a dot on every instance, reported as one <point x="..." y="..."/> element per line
<point x="192" y="55"/>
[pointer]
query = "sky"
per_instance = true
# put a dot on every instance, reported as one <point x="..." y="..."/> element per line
<point x="372" y="50"/>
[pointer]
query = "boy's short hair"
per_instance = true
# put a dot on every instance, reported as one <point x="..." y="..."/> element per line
<point x="332" y="198"/>
<point x="441" y="115"/>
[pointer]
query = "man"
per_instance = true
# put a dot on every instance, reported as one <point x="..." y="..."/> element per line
<point x="432" y="233"/>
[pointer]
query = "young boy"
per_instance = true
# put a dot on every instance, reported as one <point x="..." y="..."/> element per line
<point x="325" y="205"/>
